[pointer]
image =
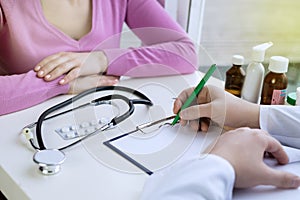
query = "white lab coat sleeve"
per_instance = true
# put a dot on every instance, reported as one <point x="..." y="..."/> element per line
<point x="282" y="122"/>
<point x="206" y="177"/>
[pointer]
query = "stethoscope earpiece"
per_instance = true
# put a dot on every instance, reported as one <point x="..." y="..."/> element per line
<point x="49" y="160"/>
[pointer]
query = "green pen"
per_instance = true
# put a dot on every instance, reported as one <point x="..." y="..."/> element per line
<point x="196" y="91"/>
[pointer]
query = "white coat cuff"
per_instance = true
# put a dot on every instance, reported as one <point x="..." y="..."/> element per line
<point x="202" y="177"/>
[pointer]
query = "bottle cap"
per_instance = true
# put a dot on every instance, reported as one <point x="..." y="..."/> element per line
<point x="291" y="98"/>
<point x="237" y="60"/>
<point x="258" y="52"/>
<point x="278" y="64"/>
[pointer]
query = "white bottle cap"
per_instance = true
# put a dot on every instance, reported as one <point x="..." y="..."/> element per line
<point x="278" y="64"/>
<point x="237" y="60"/>
<point x="258" y="52"/>
<point x="298" y="96"/>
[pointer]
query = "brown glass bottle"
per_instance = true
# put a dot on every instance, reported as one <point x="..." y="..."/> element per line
<point x="235" y="76"/>
<point x="275" y="83"/>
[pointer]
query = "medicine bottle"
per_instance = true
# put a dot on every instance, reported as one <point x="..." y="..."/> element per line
<point x="235" y="76"/>
<point x="275" y="82"/>
<point x="255" y="74"/>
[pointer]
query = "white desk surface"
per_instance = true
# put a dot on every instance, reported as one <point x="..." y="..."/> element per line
<point x="84" y="177"/>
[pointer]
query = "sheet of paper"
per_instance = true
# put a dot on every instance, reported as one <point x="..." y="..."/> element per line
<point x="169" y="145"/>
<point x="166" y="146"/>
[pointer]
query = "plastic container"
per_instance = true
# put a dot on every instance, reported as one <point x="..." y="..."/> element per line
<point x="255" y="74"/>
<point x="275" y="84"/>
<point x="291" y="98"/>
<point x="298" y="97"/>
<point x="235" y="76"/>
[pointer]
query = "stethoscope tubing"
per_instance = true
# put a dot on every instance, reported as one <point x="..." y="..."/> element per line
<point x="144" y="100"/>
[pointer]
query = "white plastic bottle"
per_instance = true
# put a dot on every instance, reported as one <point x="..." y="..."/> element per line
<point x="255" y="74"/>
<point x="298" y="96"/>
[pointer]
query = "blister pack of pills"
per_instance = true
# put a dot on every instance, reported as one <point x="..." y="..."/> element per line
<point x="72" y="131"/>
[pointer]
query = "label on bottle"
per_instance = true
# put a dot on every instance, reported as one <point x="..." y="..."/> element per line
<point x="278" y="97"/>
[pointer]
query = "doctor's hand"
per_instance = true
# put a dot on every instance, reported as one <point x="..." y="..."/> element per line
<point x="244" y="148"/>
<point x="214" y="103"/>
<point x="87" y="82"/>
<point x="72" y="64"/>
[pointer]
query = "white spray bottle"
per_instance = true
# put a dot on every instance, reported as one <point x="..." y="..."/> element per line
<point x="255" y="74"/>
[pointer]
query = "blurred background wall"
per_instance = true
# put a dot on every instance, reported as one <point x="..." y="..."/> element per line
<point x="235" y="26"/>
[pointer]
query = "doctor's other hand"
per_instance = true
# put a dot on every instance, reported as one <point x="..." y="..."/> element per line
<point x="87" y="82"/>
<point x="244" y="149"/>
<point x="214" y="103"/>
<point x="72" y="64"/>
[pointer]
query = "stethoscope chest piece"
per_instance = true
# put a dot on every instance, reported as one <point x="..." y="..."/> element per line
<point x="49" y="160"/>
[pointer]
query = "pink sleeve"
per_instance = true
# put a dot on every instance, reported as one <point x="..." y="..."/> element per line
<point x="166" y="47"/>
<point x="18" y="92"/>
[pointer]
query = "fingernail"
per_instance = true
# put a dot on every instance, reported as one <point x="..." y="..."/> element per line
<point x="62" y="81"/>
<point x="48" y="76"/>
<point x="41" y="73"/>
<point x="37" y="68"/>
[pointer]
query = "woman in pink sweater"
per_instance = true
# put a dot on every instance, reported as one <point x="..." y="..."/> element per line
<point x="52" y="47"/>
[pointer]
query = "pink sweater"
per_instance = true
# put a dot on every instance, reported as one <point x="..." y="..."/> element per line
<point x="26" y="37"/>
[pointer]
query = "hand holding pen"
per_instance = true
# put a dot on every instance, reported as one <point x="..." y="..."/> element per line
<point x="217" y="105"/>
<point x="192" y="95"/>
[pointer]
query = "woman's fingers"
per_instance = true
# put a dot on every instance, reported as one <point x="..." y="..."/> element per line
<point x="46" y="60"/>
<point x="57" y="67"/>
<point x="50" y="63"/>
<point x="72" y="75"/>
<point x="72" y="65"/>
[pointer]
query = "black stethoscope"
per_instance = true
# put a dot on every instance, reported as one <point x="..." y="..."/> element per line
<point x="49" y="160"/>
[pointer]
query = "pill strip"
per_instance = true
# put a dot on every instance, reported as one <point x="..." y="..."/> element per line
<point x="74" y="131"/>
